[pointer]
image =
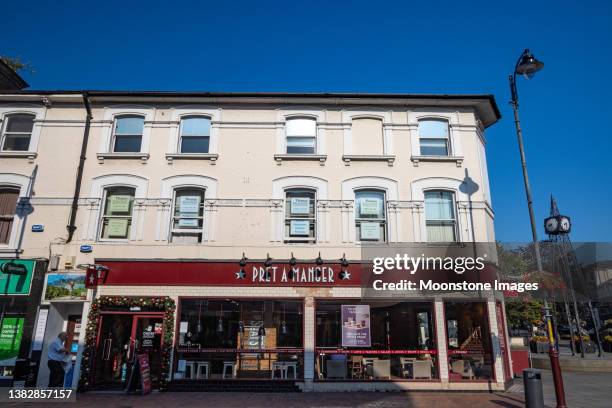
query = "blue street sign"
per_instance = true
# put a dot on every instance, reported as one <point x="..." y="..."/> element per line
<point x="38" y="228"/>
<point x="86" y="248"/>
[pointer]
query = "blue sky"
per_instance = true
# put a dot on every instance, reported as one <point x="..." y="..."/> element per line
<point x="414" y="47"/>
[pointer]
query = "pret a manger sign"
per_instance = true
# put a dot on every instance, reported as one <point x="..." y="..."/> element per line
<point x="284" y="274"/>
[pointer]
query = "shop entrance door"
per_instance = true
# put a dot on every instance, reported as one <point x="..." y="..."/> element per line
<point x="120" y="337"/>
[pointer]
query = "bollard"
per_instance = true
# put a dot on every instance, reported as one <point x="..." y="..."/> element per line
<point x="532" y="381"/>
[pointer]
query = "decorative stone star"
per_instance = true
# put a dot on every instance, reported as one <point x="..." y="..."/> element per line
<point x="240" y="274"/>
<point x="345" y="275"/>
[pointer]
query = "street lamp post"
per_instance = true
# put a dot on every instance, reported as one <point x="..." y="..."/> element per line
<point x="528" y="65"/>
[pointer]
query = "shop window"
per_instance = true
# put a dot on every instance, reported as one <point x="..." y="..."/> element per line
<point x="116" y="220"/>
<point x="433" y="137"/>
<point x="17" y="132"/>
<point x="301" y="136"/>
<point x="367" y="136"/>
<point x="195" y="135"/>
<point x="468" y="338"/>
<point x="188" y="215"/>
<point x="128" y="134"/>
<point x="370" y="216"/>
<point x="440" y="216"/>
<point x="377" y="340"/>
<point x="300" y="215"/>
<point x="240" y="338"/>
<point x="8" y="206"/>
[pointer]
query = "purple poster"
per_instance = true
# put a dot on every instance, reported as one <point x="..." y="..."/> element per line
<point x="356" y="326"/>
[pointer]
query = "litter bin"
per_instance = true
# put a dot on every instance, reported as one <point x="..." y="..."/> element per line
<point x="534" y="396"/>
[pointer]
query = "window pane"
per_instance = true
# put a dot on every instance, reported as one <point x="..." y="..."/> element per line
<point x="119" y="201"/>
<point x="130" y="125"/>
<point x="370" y="204"/>
<point x="8" y="207"/>
<point x="20" y="123"/>
<point x="301" y="127"/>
<point x="439" y="205"/>
<point x="195" y="127"/>
<point x="434" y="147"/>
<point x="117" y="219"/>
<point x="433" y="129"/>
<point x="300" y="214"/>
<point x="301" y="145"/>
<point x="193" y="144"/>
<point x="127" y="144"/>
<point x="18" y="142"/>
<point x="440" y="231"/>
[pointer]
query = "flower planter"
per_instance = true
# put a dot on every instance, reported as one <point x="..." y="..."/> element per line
<point x="539" y="347"/>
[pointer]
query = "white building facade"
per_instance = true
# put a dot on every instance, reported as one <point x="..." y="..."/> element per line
<point x="229" y="232"/>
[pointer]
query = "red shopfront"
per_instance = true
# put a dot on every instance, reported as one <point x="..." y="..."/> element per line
<point x="250" y="336"/>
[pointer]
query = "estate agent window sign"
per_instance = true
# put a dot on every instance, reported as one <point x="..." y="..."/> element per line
<point x="189" y="209"/>
<point x="356" y="326"/>
<point x="370" y="206"/>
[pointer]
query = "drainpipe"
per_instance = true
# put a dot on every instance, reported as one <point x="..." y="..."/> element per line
<point x="77" y="187"/>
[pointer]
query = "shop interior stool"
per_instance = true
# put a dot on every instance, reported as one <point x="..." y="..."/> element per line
<point x="422" y="369"/>
<point x="290" y="365"/>
<point x="190" y="370"/>
<point x="202" y="370"/>
<point x="356" y="367"/>
<point x="280" y="367"/>
<point x="231" y="365"/>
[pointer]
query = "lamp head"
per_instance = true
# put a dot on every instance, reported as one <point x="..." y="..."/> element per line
<point x="528" y="65"/>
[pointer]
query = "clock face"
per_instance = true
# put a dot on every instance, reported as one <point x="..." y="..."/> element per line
<point x="564" y="224"/>
<point x="550" y="225"/>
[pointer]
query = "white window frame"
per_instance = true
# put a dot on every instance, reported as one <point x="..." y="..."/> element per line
<point x="391" y="189"/>
<point x="384" y="220"/>
<point x="105" y="149"/>
<point x="99" y="184"/>
<point x="177" y="115"/>
<point x="455" y="149"/>
<point x="306" y="112"/>
<point x="277" y="207"/>
<point x="103" y="216"/>
<point x="5" y="131"/>
<point x="166" y="205"/>
<point x="201" y="210"/>
<point x="455" y="213"/>
<point x="21" y="182"/>
<point x="293" y="240"/>
<point x="39" y="117"/>
<point x="418" y="188"/>
<point x="449" y="150"/>
<point x="114" y="136"/>
<point x="314" y="137"/>
<point x="180" y="138"/>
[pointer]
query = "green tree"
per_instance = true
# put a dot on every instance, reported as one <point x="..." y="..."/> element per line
<point x="16" y="64"/>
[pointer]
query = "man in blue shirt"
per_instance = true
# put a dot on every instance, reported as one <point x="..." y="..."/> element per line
<point x="55" y="360"/>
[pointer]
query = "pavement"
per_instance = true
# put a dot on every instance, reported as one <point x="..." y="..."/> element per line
<point x="583" y="390"/>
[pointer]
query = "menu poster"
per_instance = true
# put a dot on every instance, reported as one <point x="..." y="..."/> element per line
<point x="140" y="369"/>
<point x="356" y="326"/>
